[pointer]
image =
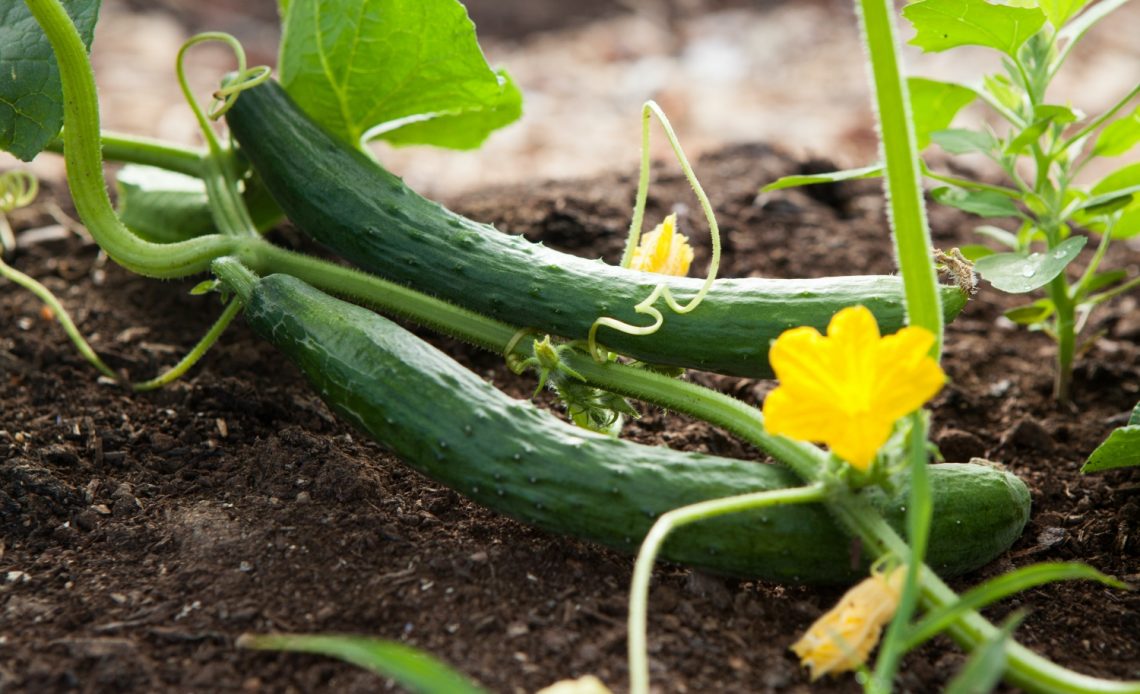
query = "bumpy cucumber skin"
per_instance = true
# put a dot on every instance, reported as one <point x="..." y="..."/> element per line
<point x="515" y="458"/>
<point x="346" y="201"/>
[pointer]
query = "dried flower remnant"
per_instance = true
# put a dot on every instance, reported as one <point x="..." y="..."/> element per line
<point x="842" y="639"/>
<point x="663" y="250"/>
<point x="849" y="388"/>
<point x="587" y="684"/>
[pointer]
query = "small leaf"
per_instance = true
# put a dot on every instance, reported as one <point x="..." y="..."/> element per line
<point x="1031" y="314"/>
<point x="1018" y="273"/>
<point x="963" y="141"/>
<point x="1102" y="280"/>
<point x="1120" y="449"/>
<point x="204" y="287"/>
<point x="31" y="97"/>
<point x="410" y="667"/>
<point x="1059" y="11"/>
<point x="163" y="206"/>
<point x="365" y="68"/>
<point x="1004" y="91"/>
<point x="944" y="24"/>
<point x="934" y="105"/>
<point x="1044" y="117"/>
<point x="830" y="177"/>
<point x="984" y="203"/>
<point x="1002" y="236"/>
<point x="1118" y="136"/>
<point x="986" y="664"/>
<point x="973" y="251"/>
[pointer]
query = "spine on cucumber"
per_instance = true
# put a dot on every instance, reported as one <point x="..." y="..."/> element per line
<point x="513" y="457"/>
<point x="344" y="200"/>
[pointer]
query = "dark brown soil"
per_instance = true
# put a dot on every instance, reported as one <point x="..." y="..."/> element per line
<point x="143" y="533"/>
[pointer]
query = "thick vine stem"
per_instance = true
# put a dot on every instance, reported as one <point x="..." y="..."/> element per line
<point x="81" y="139"/>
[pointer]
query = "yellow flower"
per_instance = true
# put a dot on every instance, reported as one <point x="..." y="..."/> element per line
<point x="842" y="639"/>
<point x="847" y="389"/>
<point x="583" y="685"/>
<point x="663" y="250"/>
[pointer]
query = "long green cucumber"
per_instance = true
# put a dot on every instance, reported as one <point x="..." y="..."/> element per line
<point x="346" y="201"/>
<point x="515" y="458"/>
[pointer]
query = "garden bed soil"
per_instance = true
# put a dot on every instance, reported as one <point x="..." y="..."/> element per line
<point x="143" y="533"/>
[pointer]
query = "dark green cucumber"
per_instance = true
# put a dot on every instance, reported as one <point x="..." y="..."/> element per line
<point x="346" y="201"/>
<point x="513" y="457"/>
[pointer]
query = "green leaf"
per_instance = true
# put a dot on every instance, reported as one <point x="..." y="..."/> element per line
<point x="1002" y="236"/>
<point x="986" y="664"/>
<point x="1004" y="91"/>
<point x="1122" y="184"/>
<point x="945" y="24"/>
<point x="31" y="98"/>
<point x="1105" y="279"/>
<point x="973" y="251"/>
<point x="1001" y="587"/>
<point x="934" y="105"/>
<point x="1118" y="136"/>
<point x="370" y="68"/>
<point x="1044" y="116"/>
<point x="984" y="203"/>
<point x="963" y="141"/>
<point x="830" y="177"/>
<point x="1059" y="11"/>
<point x="411" y="668"/>
<point x="465" y="130"/>
<point x="1018" y="273"/>
<point x="1031" y="314"/>
<point x="1120" y="449"/>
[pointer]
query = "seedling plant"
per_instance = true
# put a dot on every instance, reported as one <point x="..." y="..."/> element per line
<point x="1042" y="148"/>
<point x="618" y="332"/>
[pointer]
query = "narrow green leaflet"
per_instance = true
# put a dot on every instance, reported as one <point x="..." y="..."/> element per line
<point x="371" y="69"/>
<point x="829" y="177"/>
<point x="413" y="669"/>
<point x="1122" y="184"/>
<point x="1118" y="136"/>
<point x="1018" y="273"/>
<point x="1059" y="11"/>
<point x="944" y="24"/>
<point x="984" y="203"/>
<point x="1120" y="449"/>
<point x="1032" y="314"/>
<point x="964" y="141"/>
<point x="934" y="105"/>
<point x="31" y="98"/>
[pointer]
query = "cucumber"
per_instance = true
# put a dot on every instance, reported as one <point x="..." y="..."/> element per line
<point x="343" y="199"/>
<point x="508" y="455"/>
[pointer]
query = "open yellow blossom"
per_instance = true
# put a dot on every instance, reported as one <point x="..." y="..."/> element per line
<point x="663" y="250"/>
<point x="587" y="684"/>
<point x="849" y="388"/>
<point x="842" y="639"/>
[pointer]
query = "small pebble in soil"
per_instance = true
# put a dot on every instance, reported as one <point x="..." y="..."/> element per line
<point x="1029" y="434"/>
<point x="958" y="445"/>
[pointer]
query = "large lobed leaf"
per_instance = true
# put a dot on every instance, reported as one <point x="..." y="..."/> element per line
<point x="31" y="98"/>
<point x="408" y="71"/>
<point x="945" y="24"/>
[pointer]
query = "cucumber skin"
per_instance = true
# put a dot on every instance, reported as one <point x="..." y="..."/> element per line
<point x="344" y="200"/>
<point x="508" y="455"/>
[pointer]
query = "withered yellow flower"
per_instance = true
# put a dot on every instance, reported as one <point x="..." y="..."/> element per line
<point x="849" y="388"/>
<point x="663" y="250"/>
<point x="842" y="639"/>
<point x="587" y="684"/>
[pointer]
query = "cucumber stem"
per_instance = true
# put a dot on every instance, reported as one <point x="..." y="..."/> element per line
<point x="143" y="151"/>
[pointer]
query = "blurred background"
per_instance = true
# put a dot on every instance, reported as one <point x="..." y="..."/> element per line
<point x="789" y="73"/>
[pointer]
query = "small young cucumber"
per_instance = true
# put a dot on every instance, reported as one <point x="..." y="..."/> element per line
<point x="343" y="199"/>
<point x="448" y="424"/>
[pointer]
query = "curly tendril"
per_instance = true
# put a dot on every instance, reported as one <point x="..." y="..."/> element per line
<point x="18" y="188"/>
<point x="661" y="291"/>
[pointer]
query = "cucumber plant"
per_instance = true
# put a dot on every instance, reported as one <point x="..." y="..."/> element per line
<point x="376" y="375"/>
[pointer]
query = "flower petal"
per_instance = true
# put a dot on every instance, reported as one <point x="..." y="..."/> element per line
<point x="854" y="336"/>
<point x="798" y="418"/>
<point x="801" y="360"/>
<point x="908" y="376"/>
<point x="858" y="439"/>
